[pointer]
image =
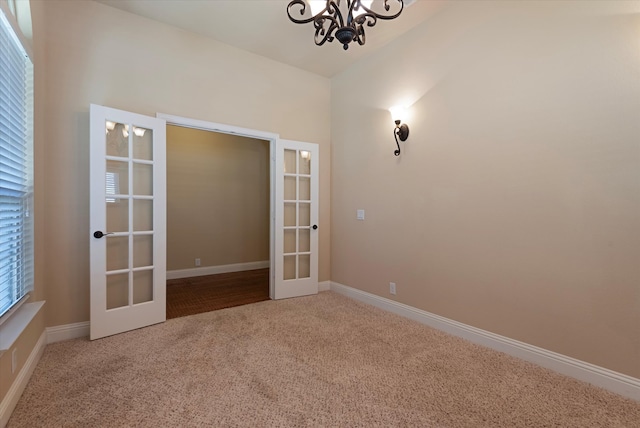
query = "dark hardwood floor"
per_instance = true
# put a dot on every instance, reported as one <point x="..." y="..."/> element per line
<point x="189" y="296"/>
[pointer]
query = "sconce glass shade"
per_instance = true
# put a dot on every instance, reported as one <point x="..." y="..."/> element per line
<point x="398" y="113"/>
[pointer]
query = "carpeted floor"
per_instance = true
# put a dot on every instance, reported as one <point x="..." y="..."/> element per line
<point x="189" y="296"/>
<point x="317" y="361"/>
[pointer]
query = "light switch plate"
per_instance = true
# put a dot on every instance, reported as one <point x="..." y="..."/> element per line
<point x="360" y="214"/>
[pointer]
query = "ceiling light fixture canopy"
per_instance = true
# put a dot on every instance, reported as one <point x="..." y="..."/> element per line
<point x="345" y="25"/>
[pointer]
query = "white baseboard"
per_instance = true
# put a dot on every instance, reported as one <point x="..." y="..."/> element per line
<point x="81" y="329"/>
<point x="324" y="286"/>
<point x="67" y="331"/>
<point x="608" y="379"/>
<point x="212" y="270"/>
<point x="19" y="384"/>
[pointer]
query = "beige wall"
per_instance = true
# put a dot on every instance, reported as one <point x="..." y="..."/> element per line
<point x="97" y="54"/>
<point x="515" y="205"/>
<point x="218" y="189"/>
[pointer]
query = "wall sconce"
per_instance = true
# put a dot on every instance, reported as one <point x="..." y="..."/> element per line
<point x="401" y="130"/>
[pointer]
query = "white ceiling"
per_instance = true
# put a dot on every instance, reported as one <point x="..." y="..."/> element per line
<point x="263" y="27"/>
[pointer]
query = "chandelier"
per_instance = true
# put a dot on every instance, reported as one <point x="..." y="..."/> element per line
<point x="345" y="25"/>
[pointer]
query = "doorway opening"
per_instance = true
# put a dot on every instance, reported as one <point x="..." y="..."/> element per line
<point x="218" y="219"/>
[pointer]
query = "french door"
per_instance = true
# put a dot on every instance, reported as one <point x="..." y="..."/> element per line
<point x="296" y="220"/>
<point x="128" y="217"/>
<point x="127" y="223"/>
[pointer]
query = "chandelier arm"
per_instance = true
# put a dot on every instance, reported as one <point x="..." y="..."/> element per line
<point x="395" y="134"/>
<point x="351" y="5"/>
<point x="334" y="17"/>
<point x="324" y="35"/>
<point x="369" y="18"/>
<point x="360" y="36"/>
<point x="333" y="9"/>
<point x="303" y="7"/>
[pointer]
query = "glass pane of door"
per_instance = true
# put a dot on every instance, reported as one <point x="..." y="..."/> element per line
<point x="142" y="179"/>
<point x="289" y="267"/>
<point x="117" y="252"/>
<point x="290" y="162"/>
<point x="117" y="215"/>
<point x="117" y="139"/>
<point x="304" y="266"/>
<point x="117" y="291"/>
<point x="142" y="250"/>
<point x="305" y="162"/>
<point x="142" y="286"/>
<point x="142" y="143"/>
<point x="142" y="215"/>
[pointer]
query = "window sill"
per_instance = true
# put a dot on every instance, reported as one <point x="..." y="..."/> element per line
<point x="17" y="323"/>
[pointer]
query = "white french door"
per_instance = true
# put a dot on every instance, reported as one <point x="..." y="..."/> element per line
<point x="127" y="225"/>
<point x="296" y="220"/>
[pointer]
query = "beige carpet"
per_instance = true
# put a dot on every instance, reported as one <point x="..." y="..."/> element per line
<point x="316" y="361"/>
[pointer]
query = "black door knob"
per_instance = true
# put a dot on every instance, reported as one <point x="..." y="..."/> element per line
<point x="98" y="234"/>
<point x="315" y="226"/>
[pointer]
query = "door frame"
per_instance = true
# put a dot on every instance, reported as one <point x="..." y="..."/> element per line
<point x="249" y="133"/>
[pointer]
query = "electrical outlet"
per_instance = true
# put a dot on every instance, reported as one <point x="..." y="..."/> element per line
<point x="14" y="360"/>
<point x="197" y="262"/>
<point x="392" y="288"/>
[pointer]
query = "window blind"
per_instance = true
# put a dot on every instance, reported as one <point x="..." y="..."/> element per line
<point x="16" y="168"/>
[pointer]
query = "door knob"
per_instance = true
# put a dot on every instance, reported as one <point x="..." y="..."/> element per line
<point x="98" y="234"/>
<point x="315" y="226"/>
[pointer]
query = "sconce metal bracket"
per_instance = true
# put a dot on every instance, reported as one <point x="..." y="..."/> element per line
<point x="400" y="132"/>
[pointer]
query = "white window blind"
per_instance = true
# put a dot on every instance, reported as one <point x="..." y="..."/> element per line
<point x="16" y="168"/>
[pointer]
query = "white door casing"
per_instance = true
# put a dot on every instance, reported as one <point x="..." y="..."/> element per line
<point x="279" y="287"/>
<point x="248" y="133"/>
<point x="296" y="219"/>
<point x="128" y="207"/>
